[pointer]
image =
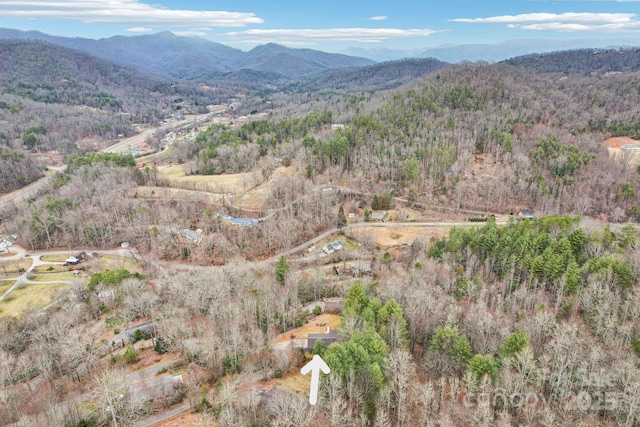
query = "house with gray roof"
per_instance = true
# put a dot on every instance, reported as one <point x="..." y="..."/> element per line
<point x="328" y="338"/>
<point x="377" y="215"/>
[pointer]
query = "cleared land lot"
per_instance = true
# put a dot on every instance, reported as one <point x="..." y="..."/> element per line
<point x="29" y="298"/>
<point x="624" y="150"/>
<point x="227" y="183"/>
<point x="14" y="268"/>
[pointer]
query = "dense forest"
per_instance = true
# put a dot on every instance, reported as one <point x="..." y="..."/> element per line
<point x="485" y="137"/>
<point x="582" y="61"/>
<point x="535" y="322"/>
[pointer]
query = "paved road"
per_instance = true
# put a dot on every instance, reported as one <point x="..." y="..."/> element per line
<point x="156" y="419"/>
<point x="10" y="200"/>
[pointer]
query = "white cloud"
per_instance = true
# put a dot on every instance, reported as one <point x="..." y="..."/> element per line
<point x="123" y="12"/>
<point x="378" y="18"/>
<point x="140" y="30"/>
<point x="563" y="22"/>
<point x="191" y="33"/>
<point x="309" y="36"/>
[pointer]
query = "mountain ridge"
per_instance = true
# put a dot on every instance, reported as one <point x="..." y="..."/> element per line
<point x="489" y="52"/>
<point x="187" y="58"/>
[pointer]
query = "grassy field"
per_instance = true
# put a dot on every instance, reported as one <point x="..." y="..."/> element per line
<point x="6" y="284"/>
<point x="295" y="382"/>
<point x="29" y="298"/>
<point x="115" y="262"/>
<point x="227" y="183"/>
<point x="65" y="276"/>
<point x="11" y="268"/>
<point x="50" y="268"/>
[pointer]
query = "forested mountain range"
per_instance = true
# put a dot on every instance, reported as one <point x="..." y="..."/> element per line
<point x="51" y="85"/>
<point x="582" y="61"/>
<point x="491" y="52"/>
<point x="381" y="76"/>
<point x="52" y="74"/>
<point x="48" y="87"/>
<point x="168" y="55"/>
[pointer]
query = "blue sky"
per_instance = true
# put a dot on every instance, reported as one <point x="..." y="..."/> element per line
<point x="331" y="25"/>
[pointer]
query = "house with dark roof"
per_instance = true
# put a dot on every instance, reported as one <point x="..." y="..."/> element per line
<point x="328" y="338"/>
<point x="332" y="247"/>
<point x="333" y="305"/>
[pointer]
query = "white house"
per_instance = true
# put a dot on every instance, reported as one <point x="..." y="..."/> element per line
<point x="377" y="216"/>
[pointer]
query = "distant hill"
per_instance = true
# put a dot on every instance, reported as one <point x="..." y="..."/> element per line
<point x="386" y="75"/>
<point x="295" y="63"/>
<point x="48" y="73"/>
<point x="583" y="61"/>
<point x="166" y="54"/>
<point x="49" y="87"/>
<point x="489" y="52"/>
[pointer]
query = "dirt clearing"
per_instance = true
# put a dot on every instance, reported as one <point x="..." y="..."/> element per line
<point x="317" y="325"/>
<point x="624" y="150"/>
<point x="396" y="236"/>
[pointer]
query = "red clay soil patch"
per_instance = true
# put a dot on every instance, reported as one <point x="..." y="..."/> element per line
<point x="316" y="325"/>
<point x="617" y="141"/>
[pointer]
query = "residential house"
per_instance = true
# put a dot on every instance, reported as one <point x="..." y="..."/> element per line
<point x="75" y="259"/>
<point x="192" y="236"/>
<point x="526" y="215"/>
<point x="332" y="247"/>
<point x="328" y="337"/>
<point x="244" y="222"/>
<point x="377" y="215"/>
